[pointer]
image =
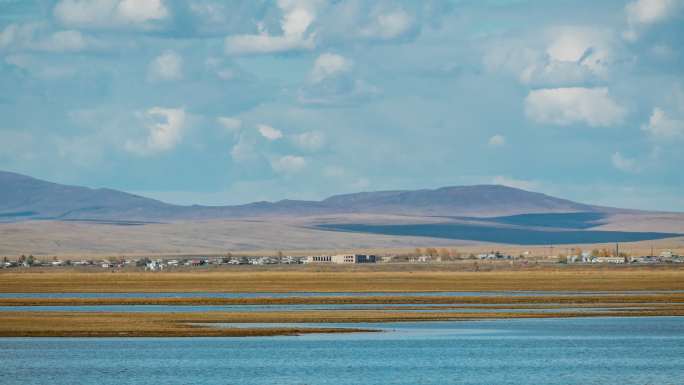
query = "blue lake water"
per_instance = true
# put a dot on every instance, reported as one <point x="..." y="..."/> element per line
<point x="627" y="351"/>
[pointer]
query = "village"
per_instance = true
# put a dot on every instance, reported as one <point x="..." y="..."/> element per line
<point x="160" y="263"/>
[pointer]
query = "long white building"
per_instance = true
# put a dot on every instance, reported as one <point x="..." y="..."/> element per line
<point x="342" y="259"/>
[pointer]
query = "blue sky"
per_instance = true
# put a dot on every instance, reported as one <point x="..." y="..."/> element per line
<point x="223" y="102"/>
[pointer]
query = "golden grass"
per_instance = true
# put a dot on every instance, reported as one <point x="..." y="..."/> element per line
<point x="64" y="324"/>
<point x="576" y="299"/>
<point x="543" y="279"/>
<point x="80" y="324"/>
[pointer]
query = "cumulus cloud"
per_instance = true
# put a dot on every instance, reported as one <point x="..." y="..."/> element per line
<point x="497" y="141"/>
<point x="288" y="164"/>
<point x="650" y="11"/>
<point x="110" y="13"/>
<point x="565" y="106"/>
<point x="296" y="20"/>
<point x="243" y="150"/>
<point x="388" y="25"/>
<point x="165" y="67"/>
<point x="515" y="183"/>
<point x="660" y="126"/>
<point x="331" y="82"/>
<point x="165" y="131"/>
<point x="568" y="55"/>
<point x="232" y="125"/>
<point x="311" y="141"/>
<point x="623" y="163"/>
<point x="34" y="37"/>
<point x="642" y="13"/>
<point x="269" y="132"/>
<point x="327" y="65"/>
<point x="587" y="47"/>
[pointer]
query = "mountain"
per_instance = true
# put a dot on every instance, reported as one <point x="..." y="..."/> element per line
<point x="455" y="201"/>
<point x="23" y="197"/>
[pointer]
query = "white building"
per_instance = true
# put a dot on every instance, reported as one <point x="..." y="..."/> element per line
<point x="341" y="259"/>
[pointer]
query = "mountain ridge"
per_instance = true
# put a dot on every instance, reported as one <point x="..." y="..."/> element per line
<point x="25" y="197"/>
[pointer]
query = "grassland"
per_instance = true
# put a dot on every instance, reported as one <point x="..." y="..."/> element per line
<point x="344" y="280"/>
<point x="652" y="293"/>
<point x="76" y="240"/>
<point x="574" y="300"/>
<point x="80" y="324"/>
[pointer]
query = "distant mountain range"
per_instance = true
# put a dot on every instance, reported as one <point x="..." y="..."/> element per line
<point x="24" y="197"/>
<point x="81" y="220"/>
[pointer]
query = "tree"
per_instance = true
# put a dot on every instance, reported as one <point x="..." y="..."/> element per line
<point x="444" y="254"/>
<point x="30" y="260"/>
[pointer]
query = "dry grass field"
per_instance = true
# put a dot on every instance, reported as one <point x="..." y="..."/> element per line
<point x="518" y="301"/>
<point x="366" y="279"/>
<point x="571" y="279"/>
<point x="267" y="235"/>
<point x="80" y="324"/>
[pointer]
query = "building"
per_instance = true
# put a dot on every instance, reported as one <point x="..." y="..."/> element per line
<point x="342" y="259"/>
<point x="610" y="260"/>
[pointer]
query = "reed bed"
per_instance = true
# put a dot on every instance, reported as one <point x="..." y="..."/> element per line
<point x="548" y="279"/>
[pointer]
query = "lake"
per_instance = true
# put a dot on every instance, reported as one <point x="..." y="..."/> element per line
<point x="522" y="351"/>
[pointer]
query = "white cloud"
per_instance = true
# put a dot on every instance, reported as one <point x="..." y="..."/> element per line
<point x="565" y="106"/>
<point x="167" y="66"/>
<point x="269" y="132"/>
<point x="650" y="11"/>
<point x="589" y="48"/>
<point x="311" y="141"/>
<point x="65" y="41"/>
<point x="388" y="25"/>
<point x="624" y="164"/>
<point x="561" y="56"/>
<point x="327" y="65"/>
<point x="110" y="13"/>
<point x="497" y="141"/>
<point x="297" y="18"/>
<point x="643" y="13"/>
<point x="515" y="183"/>
<point x="33" y="36"/>
<point x="141" y="11"/>
<point x="243" y="150"/>
<point x="164" y="134"/>
<point x="232" y="125"/>
<point x="288" y="164"/>
<point x="661" y="126"/>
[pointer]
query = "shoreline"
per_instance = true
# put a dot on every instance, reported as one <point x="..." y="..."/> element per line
<point x="80" y="324"/>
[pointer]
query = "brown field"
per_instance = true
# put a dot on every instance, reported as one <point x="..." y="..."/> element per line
<point x="565" y="300"/>
<point x="79" y="324"/>
<point x="295" y="236"/>
<point x="381" y="278"/>
<point x="74" y="324"/>
<point x="367" y="279"/>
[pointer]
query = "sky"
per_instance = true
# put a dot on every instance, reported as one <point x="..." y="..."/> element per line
<point x="228" y="102"/>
